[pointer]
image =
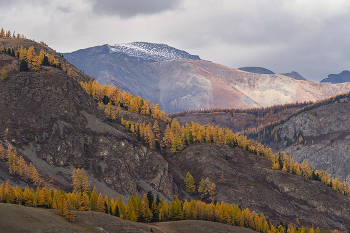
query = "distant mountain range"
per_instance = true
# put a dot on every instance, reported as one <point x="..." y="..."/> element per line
<point x="338" y="78"/>
<point x="180" y="81"/>
<point x="261" y="70"/>
<point x="257" y="70"/>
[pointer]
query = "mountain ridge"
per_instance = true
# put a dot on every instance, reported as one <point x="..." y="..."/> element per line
<point x="179" y="85"/>
<point x="342" y="77"/>
<point x="152" y="51"/>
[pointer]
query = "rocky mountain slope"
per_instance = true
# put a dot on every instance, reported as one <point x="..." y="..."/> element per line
<point x="56" y="125"/>
<point x="342" y="77"/>
<point x="179" y="85"/>
<point x="320" y="136"/>
<point x="50" y="119"/>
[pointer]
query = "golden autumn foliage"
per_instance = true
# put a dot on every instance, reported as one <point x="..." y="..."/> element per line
<point x="17" y="165"/>
<point x="80" y="181"/>
<point x="139" y="210"/>
<point x="176" y="137"/>
<point x="108" y="94"/>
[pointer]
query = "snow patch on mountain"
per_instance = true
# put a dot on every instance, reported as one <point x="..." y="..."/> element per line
<point x="152" y="51"/>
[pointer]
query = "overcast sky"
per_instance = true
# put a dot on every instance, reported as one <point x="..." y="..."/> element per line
<point x="311" y="37"/>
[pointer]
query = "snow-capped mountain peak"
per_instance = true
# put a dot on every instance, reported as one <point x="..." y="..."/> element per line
<point x="151" y="51"/>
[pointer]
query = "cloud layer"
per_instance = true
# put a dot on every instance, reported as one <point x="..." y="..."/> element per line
<point x="307" y="36"/>
<point x="132" y="8"/>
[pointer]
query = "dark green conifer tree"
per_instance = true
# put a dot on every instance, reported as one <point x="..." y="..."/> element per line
<point x="23" y="66"/>
<point x="150" y="198"/>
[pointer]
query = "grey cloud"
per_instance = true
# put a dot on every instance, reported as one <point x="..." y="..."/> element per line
<point x="64" y="9"/>
<point x="132" y="8"/>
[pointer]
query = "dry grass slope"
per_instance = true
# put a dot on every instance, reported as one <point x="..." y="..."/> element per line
<point x="28" y="219"/>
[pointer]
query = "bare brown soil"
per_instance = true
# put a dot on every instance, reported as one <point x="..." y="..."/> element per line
<point x="197" y="226"/>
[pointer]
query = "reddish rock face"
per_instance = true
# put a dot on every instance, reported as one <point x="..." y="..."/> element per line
<point x="185" y="84"/>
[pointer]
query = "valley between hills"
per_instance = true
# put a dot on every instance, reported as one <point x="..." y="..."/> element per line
<point x="58" y="119"/>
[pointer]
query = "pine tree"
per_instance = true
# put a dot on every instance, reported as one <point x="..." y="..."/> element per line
<point x="2" y="33"/>
<point x="150" y="198"/>
<point x="70" y="215"/>
<point x="211" y="191"/>
<point x="202" y="189"/>
<point x="100" y="204"/>
<point x="190" y="186"/>
<point x="45" y="198"/>
<point x="45" y="60"/>
<point x="93" y="199"/>
<point x="2" y="192"/>
<point x="23" y="66"/>
<point x="176" y="211"/>
<point x="80" y="181"/>
<point x="2" y="152"/>
<point x="109" y="112"/>
<point x="146" y="214"/>
<point x="30" y="54"/>
<point x="121" y="207"/>
<point x="85" y="204"/>
<point x="4" y="75"/>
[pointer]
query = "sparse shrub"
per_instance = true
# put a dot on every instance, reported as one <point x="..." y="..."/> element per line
<point x="4" y="75"/>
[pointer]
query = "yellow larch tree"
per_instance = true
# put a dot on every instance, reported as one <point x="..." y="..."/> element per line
<point x="45" y="198"/>
<point x="190" y="186"/>
<point x="85" y="204"/>
<point x="100" y="204"/>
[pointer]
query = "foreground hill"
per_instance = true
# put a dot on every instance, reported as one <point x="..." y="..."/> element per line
<point x="190" y="84"/>
<point x="28" y="219"/>
<point x="52" y="122"/>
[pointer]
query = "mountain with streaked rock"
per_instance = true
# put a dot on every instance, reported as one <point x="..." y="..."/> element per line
<point x="179" y="81"/>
